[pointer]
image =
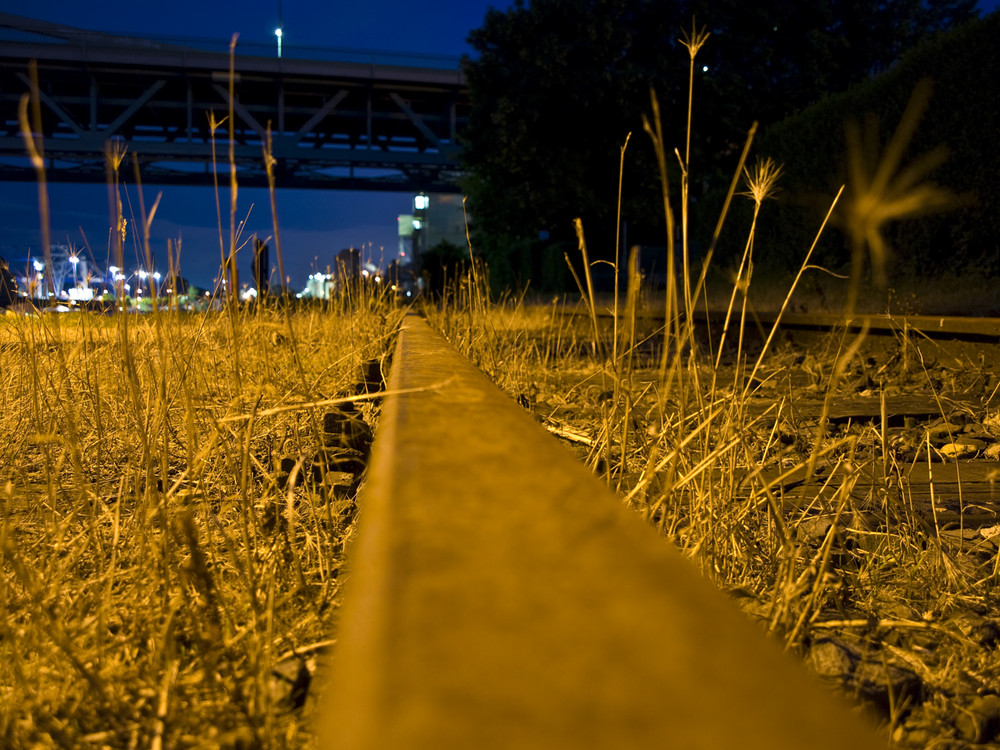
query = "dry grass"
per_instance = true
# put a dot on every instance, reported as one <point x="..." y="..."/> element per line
<point x="699" y="437"/>
<point x="155" y="566"/>
<point x="709" y="449"/>
<point x="175" y="496"/>
<point x="164" y="585"/>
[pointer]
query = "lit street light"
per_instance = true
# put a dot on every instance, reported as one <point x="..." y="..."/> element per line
<point x="278" y="31"/>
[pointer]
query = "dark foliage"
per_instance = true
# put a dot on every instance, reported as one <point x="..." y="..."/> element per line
<point x="441" y="265"/>
<point x="261" y="267"/>
<point x="559" y="84"/>
<point x="962" y="119"/>
<point x="8" y="285"/>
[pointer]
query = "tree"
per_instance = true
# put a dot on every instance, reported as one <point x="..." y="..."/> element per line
<point x="441" y="265"/>
<point x="558" y="84"/>
<point x="261" y="267"/>
<point x="8" y="285"/>
<point x="556" y="89"/>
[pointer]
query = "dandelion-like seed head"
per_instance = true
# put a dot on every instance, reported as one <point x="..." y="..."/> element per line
<point x="695" y="40"/>
<point x="889" y="192"/>
<point x="762" y="183"/>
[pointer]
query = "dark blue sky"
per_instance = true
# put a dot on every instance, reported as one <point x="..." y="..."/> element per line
<point x="314" y="224"/>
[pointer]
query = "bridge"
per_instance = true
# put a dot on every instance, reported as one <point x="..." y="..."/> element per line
<point x="337" y="119"/>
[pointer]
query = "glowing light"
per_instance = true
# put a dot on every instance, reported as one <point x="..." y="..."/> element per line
<point x="421" y="202"/>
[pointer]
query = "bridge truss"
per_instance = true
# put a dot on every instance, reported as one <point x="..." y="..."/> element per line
<point x="358" y="125"/>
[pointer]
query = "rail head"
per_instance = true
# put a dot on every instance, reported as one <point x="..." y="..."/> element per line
<point x="499" y="596"/>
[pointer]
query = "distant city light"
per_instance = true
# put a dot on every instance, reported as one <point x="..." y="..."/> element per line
<point x="704" y="68"/>
<point x="421" y="202"/>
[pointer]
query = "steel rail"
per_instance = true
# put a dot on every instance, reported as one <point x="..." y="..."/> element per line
<point x="933" y="326"/>
<point x="948" y="327"/>
<point x="499" y="596"/>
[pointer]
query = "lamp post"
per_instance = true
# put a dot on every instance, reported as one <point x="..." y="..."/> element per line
<point x="278" y="31"/>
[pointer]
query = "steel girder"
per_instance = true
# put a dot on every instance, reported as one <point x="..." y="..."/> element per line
<point x="331" y="124"/>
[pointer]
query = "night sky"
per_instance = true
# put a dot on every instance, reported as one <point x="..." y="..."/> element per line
<point x="314" y="224"/>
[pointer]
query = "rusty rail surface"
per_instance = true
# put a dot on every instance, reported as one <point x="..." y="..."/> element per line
<point x="499" y="596"/>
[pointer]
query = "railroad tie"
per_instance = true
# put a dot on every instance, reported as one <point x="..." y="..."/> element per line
<point x="500" y="596"/>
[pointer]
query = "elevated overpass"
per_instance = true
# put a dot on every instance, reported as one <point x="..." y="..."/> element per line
<point x="338" y="119"/>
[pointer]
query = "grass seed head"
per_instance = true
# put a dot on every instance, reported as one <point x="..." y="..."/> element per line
<point x="762" y="183"/>
<point x="695" y="40"/>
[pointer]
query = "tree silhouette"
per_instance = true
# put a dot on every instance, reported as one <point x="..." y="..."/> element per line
<point x="557" y="85"/>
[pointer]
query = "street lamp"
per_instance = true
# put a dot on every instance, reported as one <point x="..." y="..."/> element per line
<point x="74" y="259"/>
<point x="277" y="31"/>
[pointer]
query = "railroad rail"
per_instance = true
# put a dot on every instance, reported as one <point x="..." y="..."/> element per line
<point x="500" y="596"/>
<point x="966" y="492"/>
<point x="952" y="336"/>
<point x="948" y="336"/>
